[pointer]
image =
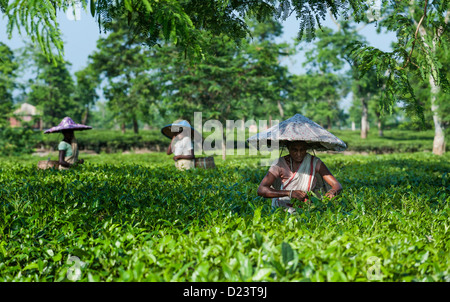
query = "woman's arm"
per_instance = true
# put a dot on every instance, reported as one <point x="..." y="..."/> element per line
<point x="266" y="191"/>
<point x="62" y="162"/>
<point x="336" y="187"/>
<point x="169" y="149"/>
<point x="191" y="156"/>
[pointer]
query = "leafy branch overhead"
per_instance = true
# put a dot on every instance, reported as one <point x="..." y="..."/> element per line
<point x="175" y="20"/>
<point x="421" y="28"/>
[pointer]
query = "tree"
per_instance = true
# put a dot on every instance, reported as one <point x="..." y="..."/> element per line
<point x="230" y="83"/>
<point x="215" y="86"/>
<point x="422" y="31"/>
<point x="369" y="89"/>
<point x="123" y="64"/>
<point x="317" y="96"/>
<point x="51" y="89"/>
<point x="181" y="22"/>
<point x="430" y="41"/>
<point x="436" y="117"/>
<point x="330" y="54"/>
<point x="355" y="114"/>
<point x="212" y="85"/>
<point x="8" y="68"/>
<point x="267" y="80"/>
<point x="85" y="94"/>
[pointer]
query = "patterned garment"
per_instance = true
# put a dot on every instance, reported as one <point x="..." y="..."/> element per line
<point x="302" y="179"/>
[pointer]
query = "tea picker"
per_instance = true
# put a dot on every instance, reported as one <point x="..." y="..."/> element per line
<point x="68" y="147"/>
<point x="181" y="146"/>
<point x="292" y="177"/>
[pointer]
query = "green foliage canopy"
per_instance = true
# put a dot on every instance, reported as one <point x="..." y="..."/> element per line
<point x="182" y="23"/>
<point x="8" y="67"/>
<point x="52" y="90"/>
<point x="124" y="66"/>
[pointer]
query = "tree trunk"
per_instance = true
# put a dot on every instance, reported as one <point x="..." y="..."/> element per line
<point x="364" y="119"/>
<point x="122" y="126"/>
<point x="135" y="126"/>
<point x="328" y="123"/>
<point x="380" y="129"/>
<point x="85" y="116"/>
<point x="379" y="124"/>
<point x="353" y="126"/>
<point x="280" y="108"/>
<point x="439" y="136"/>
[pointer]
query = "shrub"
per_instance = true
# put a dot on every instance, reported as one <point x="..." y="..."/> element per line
<point x="21" y="140"/>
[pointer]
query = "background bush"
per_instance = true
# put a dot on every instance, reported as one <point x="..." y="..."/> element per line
<point x="111" y="141"/>
<point x="15" y="141"/>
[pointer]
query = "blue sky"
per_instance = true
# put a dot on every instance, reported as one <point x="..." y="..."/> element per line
<point x="80" y="38"/>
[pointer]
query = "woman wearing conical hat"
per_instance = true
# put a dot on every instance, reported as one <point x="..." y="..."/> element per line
<point x="299" y="173"/>
<point x="68" y="147"/>
<point x="181" y="133"/>
<point x="291" y="177"/>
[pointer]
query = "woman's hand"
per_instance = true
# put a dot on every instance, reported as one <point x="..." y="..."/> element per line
<point x="299" y="194"/>
<point x="336" y="187"/>
<point x="331" y="193"/>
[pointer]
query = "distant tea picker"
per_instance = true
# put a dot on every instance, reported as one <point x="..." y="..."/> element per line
<point x="291" y="177"/>
<point x="182" y="134"/>
<point x="68" y="147"/>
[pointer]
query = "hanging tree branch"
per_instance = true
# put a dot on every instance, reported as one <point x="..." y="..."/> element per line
<point x="408" y="60"/>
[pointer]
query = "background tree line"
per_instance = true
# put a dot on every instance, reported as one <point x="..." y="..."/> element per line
<point x="157" y="85"/>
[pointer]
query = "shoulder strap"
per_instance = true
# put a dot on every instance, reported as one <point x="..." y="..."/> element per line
<point x="311" y="173"/>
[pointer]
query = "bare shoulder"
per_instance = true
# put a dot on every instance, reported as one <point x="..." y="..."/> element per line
<point x="319" y="164"/>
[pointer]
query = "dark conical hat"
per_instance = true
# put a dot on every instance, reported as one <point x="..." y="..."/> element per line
<point x="173" y="129"/>
<point x="300" y="128"/>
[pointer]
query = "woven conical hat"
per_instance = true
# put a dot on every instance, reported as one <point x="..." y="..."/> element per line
<point x="300" y="128"/>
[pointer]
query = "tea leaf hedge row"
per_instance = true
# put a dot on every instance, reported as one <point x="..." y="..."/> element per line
<point x="134" y="217"/>
<point x="110" y="141"/>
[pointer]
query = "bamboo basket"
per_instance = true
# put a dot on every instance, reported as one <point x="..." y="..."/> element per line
<point x="48" y="164"/>
<point x="204" y="162"/>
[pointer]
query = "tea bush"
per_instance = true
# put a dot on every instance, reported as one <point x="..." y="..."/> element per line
<point x="134" y="217"/>
<point x="111" y="141"/>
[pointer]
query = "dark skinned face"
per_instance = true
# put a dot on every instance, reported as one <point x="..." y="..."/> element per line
<point x="68" y="135"/>
<point x="297" y="151"/>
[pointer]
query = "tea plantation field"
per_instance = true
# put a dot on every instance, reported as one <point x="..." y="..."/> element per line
<point x="134" y="217"/>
